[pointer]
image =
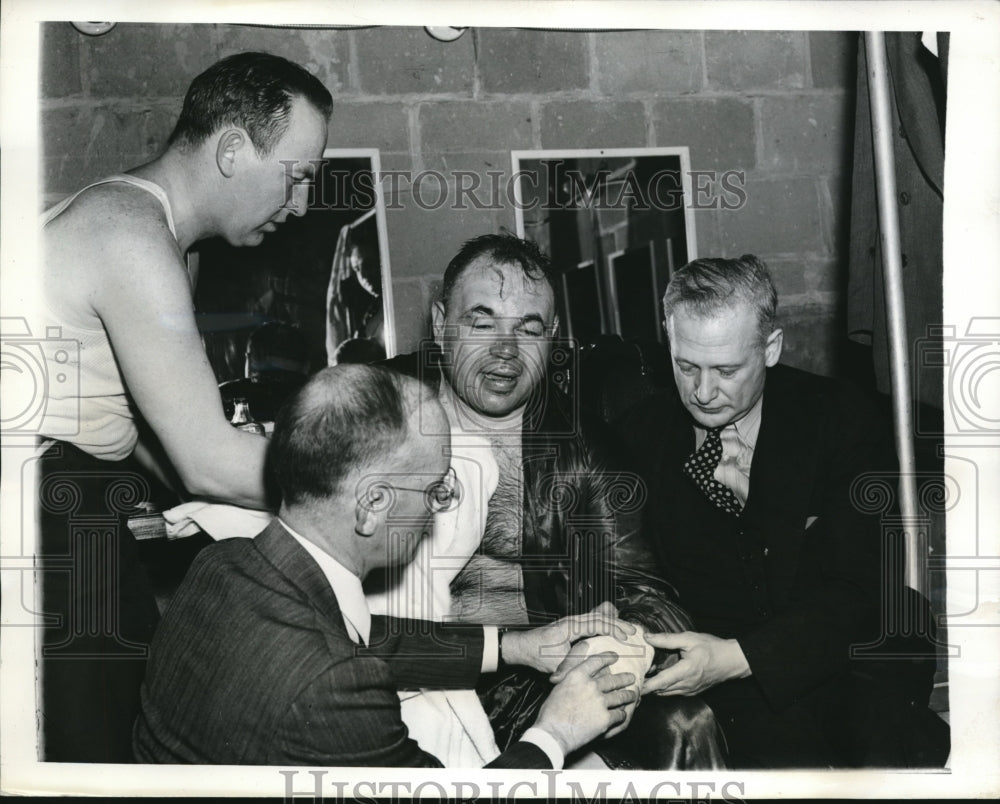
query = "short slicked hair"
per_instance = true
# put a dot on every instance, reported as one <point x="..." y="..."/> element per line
<point x="253" y="91"/>
<point x="709" y="286"/>
<point x="344" y="418"/>
<point x="504" y="249"/>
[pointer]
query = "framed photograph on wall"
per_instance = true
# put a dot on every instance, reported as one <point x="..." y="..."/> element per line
<point x="325" y="275"/>
<point x="584" y="207"/>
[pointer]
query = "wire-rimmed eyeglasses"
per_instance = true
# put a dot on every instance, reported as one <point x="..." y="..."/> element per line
<point x="441" y="495"/>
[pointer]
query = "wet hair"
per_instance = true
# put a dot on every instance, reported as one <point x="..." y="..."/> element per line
<point x="253" y="91"/>
<point x="505" y="249"/>
<point x="343" y="418"/>
<point x="709" y="286"/>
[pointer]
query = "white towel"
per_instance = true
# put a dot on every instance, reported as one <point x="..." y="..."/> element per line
<point x="217" y="520"/>
<point x="450" y="724"/>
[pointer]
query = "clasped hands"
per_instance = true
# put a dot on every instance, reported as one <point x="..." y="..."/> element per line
<point x="704" y="660"/>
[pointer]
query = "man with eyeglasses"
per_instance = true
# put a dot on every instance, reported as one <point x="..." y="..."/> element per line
<point x="269" y="653"/>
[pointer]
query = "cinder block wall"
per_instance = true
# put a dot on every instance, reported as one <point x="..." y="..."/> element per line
<point x="777" y="105"/>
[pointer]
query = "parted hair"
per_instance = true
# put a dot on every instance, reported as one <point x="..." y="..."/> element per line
<point x="503" y="248"/>
<point x="707" y="286"/>
<point x="253" y="91"/>
<point x="344" y="418"/>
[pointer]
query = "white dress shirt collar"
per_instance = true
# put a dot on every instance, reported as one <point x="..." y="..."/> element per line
<point x="346" y="587"/>
<point x="747" y="427"/>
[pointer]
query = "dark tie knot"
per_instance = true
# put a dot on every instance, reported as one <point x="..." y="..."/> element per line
<point x="700" y="467"/>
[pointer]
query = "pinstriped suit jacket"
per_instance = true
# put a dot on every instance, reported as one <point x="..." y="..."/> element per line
<point x="252" y="664"/>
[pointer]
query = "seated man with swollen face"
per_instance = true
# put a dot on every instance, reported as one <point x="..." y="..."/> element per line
<point x="269" y="653"/>
<point x="560" y="529"/>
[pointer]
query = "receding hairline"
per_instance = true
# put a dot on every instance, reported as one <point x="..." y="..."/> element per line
<point x="487" y="263"/>
<point x="719" y="310"/>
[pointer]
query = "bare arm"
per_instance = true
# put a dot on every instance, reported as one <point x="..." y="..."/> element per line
<point x="128" y="269"/>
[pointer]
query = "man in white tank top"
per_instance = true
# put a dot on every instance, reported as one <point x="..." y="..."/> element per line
<point x="238" y="164"/>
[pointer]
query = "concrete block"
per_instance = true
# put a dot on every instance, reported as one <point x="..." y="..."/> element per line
<point x="648" y="61"/>
<point x="814" y="339"/>
<point x="707" y="240"/>
<point x="797" y="277"/>
<point x="833" y="56"/>
<point x="63" y="175"/>
<point x="755" y="59"/>
<point x="472" y="135"/>
<point x="835" y="209"/>
<point x="156" y="121"/>
<point x="779" y="217"/>
<point x="719" y="131"/>
<point x="148" y="60"/>
<point x="324" y="53"/>
<point x="369" y="125"/>
<point x="422" y="241"/>
<point x="60" y="60"/>
<point x="394" y="61"/>
<point x="411" y="306"/>
<point x="91" y="133"/>
<point x="807" y="132"/>
<point x="590" y="124"/>
<point x="532" y="61"/>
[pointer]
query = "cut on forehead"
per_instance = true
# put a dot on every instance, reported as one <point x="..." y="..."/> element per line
<point x="506" y="277"/>
<point x="503" y="249"/>
<point x="501" y="291"/>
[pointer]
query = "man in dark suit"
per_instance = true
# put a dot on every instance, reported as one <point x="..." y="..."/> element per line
<point x="268" y="653"/>
<point x="752" y="470"/>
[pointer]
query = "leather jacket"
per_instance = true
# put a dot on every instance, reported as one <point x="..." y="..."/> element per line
<point x="582" y="545"/>
<point x="582" y="542"/>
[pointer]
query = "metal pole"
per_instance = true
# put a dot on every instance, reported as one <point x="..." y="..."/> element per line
<point x="892" y="265"/>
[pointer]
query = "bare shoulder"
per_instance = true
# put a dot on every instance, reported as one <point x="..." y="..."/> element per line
<point x="108" y="229"/>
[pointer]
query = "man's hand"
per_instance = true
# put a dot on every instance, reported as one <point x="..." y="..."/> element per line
<point x="544" y="648"/>
<point x="634" y="656"/>
<point x="705" y="661"/>
<point x="587" y="702"/>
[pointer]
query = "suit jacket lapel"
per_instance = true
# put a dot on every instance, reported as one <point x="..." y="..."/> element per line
<point x="678" y="440"/>
<point x="279" y="547"/>
<point x="780" y="474"/>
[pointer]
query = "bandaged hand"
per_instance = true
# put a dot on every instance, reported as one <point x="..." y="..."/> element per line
<point x="635" y="656"/>
<point x="546" y="647"/>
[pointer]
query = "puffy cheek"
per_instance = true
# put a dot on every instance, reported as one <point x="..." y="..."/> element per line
<point x="534" y="357"/>
<point x="466" y="360"/>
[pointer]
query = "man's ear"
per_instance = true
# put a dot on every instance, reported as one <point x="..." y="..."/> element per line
<point x="367" y="511"/>
<point x="365" y="520"/>
<point x="229" y="144"/>
<point x="437" y="321"/>
<point x="772" y="347"/>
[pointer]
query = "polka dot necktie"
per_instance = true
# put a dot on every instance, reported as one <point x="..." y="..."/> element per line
<point x="700" y="467"/>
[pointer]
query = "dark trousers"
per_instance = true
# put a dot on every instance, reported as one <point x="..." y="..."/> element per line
<point x="98" y="609"/>
<point x="859" y="719"/>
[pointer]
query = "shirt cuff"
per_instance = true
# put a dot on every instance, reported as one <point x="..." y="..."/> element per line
<point x="547" y="743"/>
<point x="491" y="648"/>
